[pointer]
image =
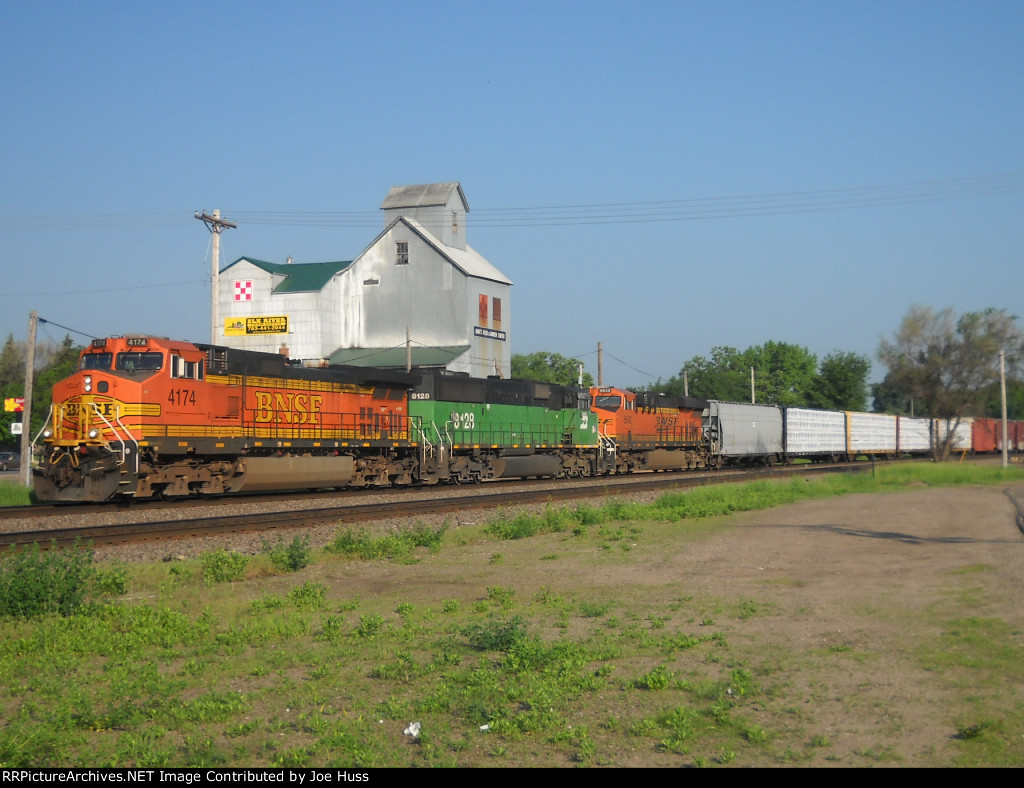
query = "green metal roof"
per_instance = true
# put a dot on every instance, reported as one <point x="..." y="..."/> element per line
<point x="394" y="357"/>
<point x="298" y="277"/>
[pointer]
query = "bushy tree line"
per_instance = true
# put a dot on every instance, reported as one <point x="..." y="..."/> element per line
<point x="783" y="374"/>
<point x="549" y="368"/>
<point x="938" y="365"/>
<point x="53" y="363"/>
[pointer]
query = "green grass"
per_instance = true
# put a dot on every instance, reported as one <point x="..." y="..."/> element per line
<point x="13" y="494"/>
<point x="273" y="669"/>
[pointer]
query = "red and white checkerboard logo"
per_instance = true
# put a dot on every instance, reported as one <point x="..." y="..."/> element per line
<point x="243" y="290"/>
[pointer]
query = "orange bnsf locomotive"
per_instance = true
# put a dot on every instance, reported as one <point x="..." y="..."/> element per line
<point x="145" y="417"/>
<point x="645" y="431"/>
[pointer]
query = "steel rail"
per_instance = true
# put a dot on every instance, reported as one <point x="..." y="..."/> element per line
<point x="126" y="533"/>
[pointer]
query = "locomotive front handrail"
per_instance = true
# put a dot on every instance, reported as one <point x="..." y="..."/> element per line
<point x="117" y="435"/>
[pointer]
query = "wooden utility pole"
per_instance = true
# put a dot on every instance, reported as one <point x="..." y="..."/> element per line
<point x="25" y="472"/>
<point x="600" y="365"/>
<point x="1002" y="390"/>
<point x="216" y="225"/>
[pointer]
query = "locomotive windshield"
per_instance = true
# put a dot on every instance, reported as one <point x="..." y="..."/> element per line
<point x="608" y="403"/>
<point x="96" y="361"/>
<point x="132" y="362"/>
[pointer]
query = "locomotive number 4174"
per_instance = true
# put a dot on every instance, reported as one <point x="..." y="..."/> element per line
<point x="182" y="397"/>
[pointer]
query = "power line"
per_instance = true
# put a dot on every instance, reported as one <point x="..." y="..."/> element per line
<point x="629" y="212"/>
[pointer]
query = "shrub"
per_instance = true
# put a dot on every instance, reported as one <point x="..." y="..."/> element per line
<point x="291" y="557"/>
<point x="220" y="566"/>
<point x="309" y="595"/>
<point x="34" y="582"/>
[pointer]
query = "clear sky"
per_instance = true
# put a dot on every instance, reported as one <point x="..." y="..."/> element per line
<point x="771" y="170"/>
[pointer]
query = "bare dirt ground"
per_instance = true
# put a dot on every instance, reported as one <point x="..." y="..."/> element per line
<point x="862" y="587"/>
<point x="852" y="600"/>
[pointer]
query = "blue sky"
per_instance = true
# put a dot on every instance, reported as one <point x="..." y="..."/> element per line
<point x="897" y="127"/>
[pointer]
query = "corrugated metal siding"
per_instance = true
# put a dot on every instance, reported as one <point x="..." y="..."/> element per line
<point x="915" y="434"/>
<point x="871" y="433"/>
<point x="815" y="431"/>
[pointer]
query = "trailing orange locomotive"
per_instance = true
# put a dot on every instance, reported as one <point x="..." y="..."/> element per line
<point x="144" y="416"/>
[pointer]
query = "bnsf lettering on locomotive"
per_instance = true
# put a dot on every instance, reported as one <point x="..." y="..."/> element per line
<point x="288" y="407"/>
<point x="667" y="421"/>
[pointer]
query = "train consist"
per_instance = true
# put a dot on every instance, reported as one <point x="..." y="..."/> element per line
<point x="146" y="417"/>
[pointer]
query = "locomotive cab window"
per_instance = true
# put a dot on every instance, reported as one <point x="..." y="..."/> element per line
<point x="180" y="368"/>
<point x="608" y="403"/>
<point x="96" y="361"/>
<point x="139" y="362"/>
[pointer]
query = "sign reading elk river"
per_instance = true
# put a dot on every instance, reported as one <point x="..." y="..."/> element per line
<point x="243" y="326"/>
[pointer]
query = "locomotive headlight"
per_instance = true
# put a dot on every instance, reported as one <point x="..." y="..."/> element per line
<point x="94" y="434"/>
<point x="88" y="382"/>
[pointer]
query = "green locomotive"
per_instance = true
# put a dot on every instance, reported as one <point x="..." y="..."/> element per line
<point x="473" y="429"/>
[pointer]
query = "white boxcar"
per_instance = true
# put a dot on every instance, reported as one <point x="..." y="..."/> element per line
<point x="962" y="436"/>
<point x="745" y="432"/>
<point x="915" y="435"/>
<point x="870" y="433"/>
<point x="814" y="432"/>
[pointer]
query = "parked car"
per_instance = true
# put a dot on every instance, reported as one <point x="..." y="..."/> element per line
<point x="9" y="461"/>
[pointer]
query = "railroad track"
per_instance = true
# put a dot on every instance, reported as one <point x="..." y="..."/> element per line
<point x="124" y="533"/>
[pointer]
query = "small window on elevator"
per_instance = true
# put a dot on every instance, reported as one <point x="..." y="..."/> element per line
<point x="402" y="253"/>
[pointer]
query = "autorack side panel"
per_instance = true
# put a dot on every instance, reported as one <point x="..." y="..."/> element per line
<point x="810" y="432"/>
<point x="871" y="433"/>
<point x="962" y="435"/>
<point x="915" y="435"/>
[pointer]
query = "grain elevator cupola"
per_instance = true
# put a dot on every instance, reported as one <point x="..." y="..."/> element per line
<point x="439" y="207"/>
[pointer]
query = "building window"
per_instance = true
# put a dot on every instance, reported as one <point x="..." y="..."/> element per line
<point x="402" y="253"/>
<point x="482" y="311"/>
<point x="371" y="281"/>
<point x="496" y="312"/>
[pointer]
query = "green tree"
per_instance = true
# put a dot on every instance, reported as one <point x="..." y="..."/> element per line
<point x="12" y="384"/>
<point x="841" y="382"/>
<point x="724" y="376"/>
<point x="60" y="364"/>
<point x="948" y="364"/>
<point x="783" y="374"/>
<point x="549" y="368"/>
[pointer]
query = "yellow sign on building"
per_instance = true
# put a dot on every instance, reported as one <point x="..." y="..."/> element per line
<point x="244" y="326"/>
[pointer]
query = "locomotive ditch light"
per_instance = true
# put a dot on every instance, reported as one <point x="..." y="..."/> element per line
<point x="94" y="434"/>
<point x="47" y="433"/>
